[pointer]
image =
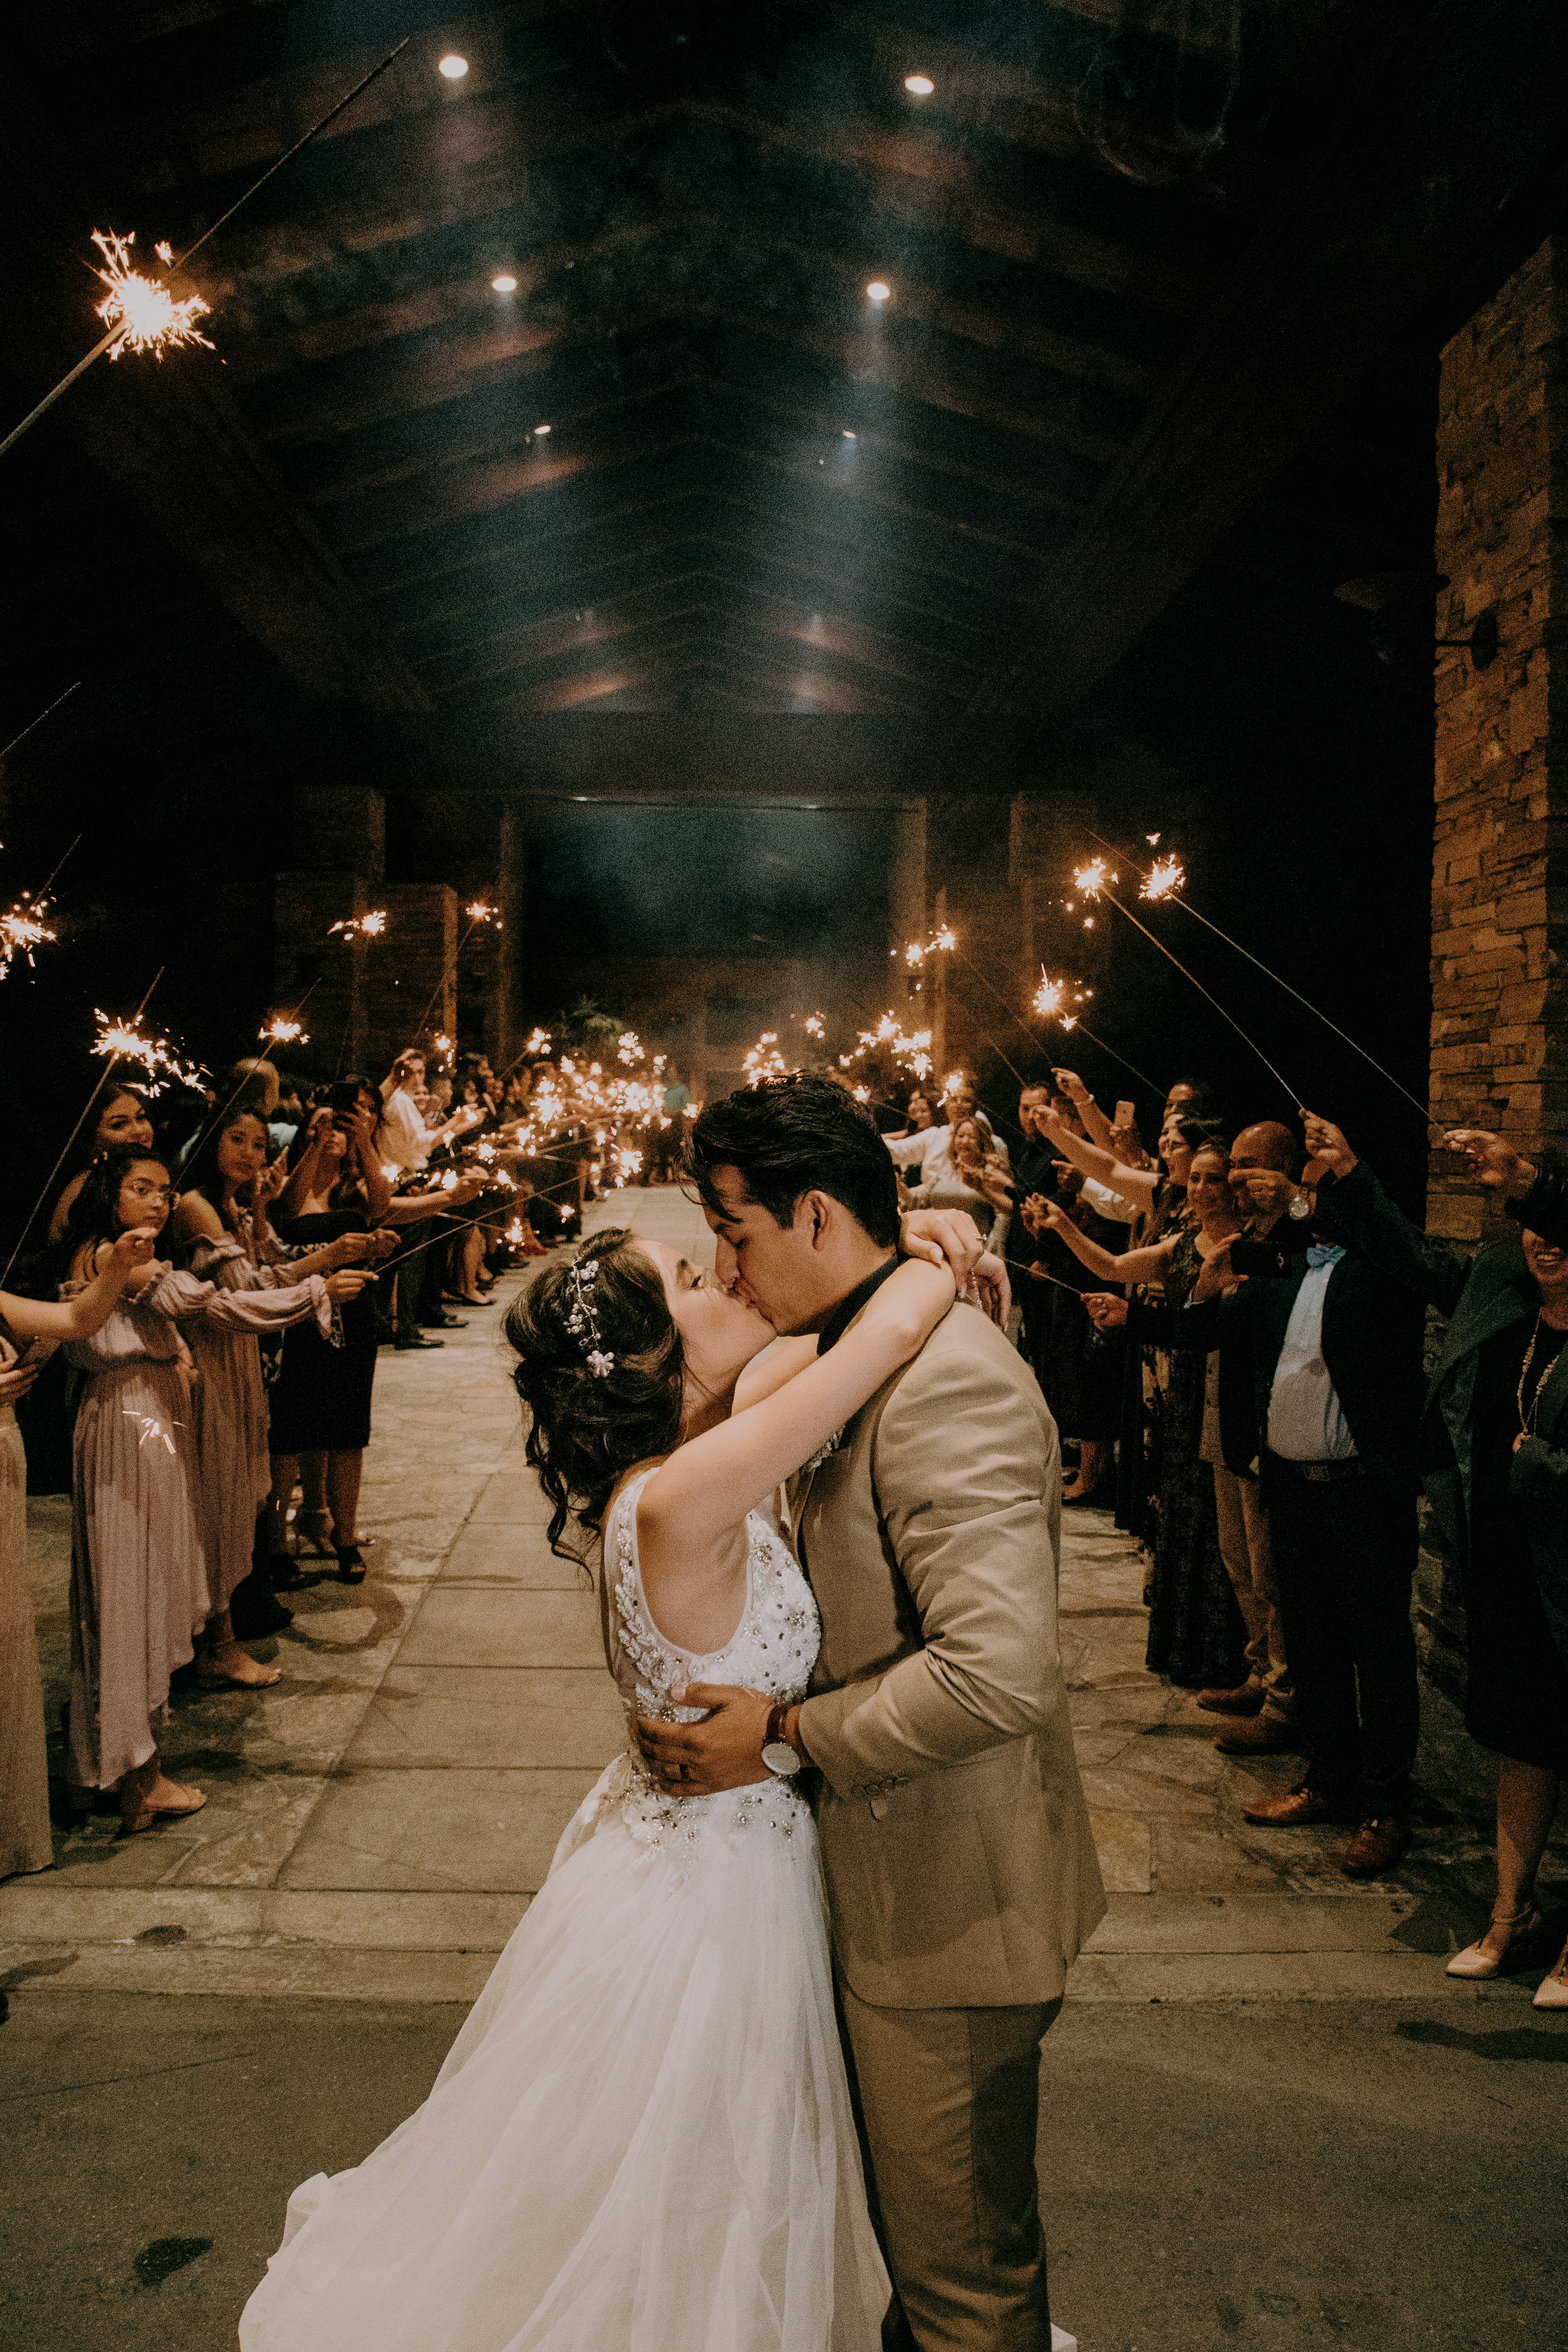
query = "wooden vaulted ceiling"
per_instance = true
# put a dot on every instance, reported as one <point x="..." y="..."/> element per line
<point x="1108" y="233"/>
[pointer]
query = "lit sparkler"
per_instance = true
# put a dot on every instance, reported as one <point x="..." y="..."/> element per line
<point x="765" y="1061"/>
<point x="477" y="912"/>
<point x="360" y="927"/>
<point x="127" y="1040"/>
<point x="281" y="1032"/>
<point x="1164" y="877"/>
<point x="537" y="1043"/>
<point x="23" y="928"/>
<point x="1047" y="997"/>
<point x="815" y="1025"/>
<point x="147" y="316"/>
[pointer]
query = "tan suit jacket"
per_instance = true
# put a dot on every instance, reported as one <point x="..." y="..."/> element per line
<point x="961" y="1869"/>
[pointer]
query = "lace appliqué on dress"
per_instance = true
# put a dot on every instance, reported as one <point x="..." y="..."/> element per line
<point x="772" y="1650"/>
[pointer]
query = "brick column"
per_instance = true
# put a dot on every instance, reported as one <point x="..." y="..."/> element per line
<point x="340" y="844"/>
<point x="1499" y="896"/>
<point x="414" y="964"/>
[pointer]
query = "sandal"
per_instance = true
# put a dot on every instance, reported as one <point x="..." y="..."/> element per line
<point x="212" y="1675"/>
<point x="136" y="1818"/>
<point x="1523" y="1929"/>
<point x="350" y="1567"/>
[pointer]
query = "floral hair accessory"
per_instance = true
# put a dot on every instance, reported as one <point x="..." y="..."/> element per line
<point x="583" y="1319"/>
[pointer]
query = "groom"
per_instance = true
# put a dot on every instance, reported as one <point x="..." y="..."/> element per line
<point x="961" y="1871"/>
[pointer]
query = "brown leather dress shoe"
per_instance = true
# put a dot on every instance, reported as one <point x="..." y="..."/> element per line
<point x="1247" y="1699"/>
<point x="1260" y="1735"/>
<point x="1375" y="1847"/>
<point x="1299" y="1811"/>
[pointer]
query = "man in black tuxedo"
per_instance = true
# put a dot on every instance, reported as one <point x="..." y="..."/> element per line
<point x="1335" y="1355"/>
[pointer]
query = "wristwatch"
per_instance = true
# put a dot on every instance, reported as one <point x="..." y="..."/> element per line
<point x="780" y="1758"/>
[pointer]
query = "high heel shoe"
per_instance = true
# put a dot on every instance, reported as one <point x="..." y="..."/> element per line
<point x="351" y="1566"/>
<point x="1523" y="1927"/>
<point x="315" y="1529"/>
<point x="1551" y="1993"/>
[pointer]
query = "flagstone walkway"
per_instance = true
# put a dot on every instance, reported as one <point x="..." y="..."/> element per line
<point x="377" y="1824"/>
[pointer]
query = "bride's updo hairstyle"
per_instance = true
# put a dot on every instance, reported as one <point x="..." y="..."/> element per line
<point x="592" y="1419"/>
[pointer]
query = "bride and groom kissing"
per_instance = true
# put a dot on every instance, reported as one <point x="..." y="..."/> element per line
<point x="696" y="2108"/>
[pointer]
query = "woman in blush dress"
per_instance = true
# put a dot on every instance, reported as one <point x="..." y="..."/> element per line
<point x="28" y="1326"/>
<point x="642" y="2139"/>
<point x="139" y="1587"/>
<point x="220" y="1226"/>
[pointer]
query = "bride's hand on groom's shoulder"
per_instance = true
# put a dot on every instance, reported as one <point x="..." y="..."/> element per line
<point x="940" y="1236"/>
<point x="723" y="1751"/>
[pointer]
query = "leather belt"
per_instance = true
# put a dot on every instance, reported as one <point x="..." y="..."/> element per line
<point x="1320" y="1474"/>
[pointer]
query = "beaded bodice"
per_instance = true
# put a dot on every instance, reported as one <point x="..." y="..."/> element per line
<point x="772" y="1649"/>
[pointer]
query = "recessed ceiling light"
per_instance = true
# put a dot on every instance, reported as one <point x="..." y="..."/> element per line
<point x="877" y="291"/>
<point x="453" y="68"/>
<point x="539" y="431"/>
<point x="848" y="435"/>
<point x="504" y="285"/>
<point x="919" y="85"/>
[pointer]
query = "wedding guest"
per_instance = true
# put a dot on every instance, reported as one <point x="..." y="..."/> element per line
<point x="28" y="1326"/>
<point x="220" y="1226"/>
<point x="138" y="1595"/>
<point x="320" y="1401"/>
<point x="1334" y="1343"/>
<point x="1035" y="1181"/>
<point x="1494" y="1463"/>
<point x="123" y="1117"/>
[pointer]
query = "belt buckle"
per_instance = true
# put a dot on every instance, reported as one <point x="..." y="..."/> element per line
<point x="1319" y="1473"/>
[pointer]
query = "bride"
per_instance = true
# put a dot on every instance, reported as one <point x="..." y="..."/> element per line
<point x="642" y="2140"/>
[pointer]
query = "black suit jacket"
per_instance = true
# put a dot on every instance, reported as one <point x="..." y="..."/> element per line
<point x="1372" y="1346"/>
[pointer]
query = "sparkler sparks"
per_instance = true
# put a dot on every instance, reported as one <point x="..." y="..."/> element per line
<point x="539" y="1042"/>
<point x="361" y="927"/>
<point x="1047" y="997"/>
<point x="477" y="912"/>
<point x="284" y="1033"/>
<point x="815" y="1025"/>
<point x="765" y="1061"/>
<point x="152" y="1429"/>
<point x="23" y="928"/>
<point x="1089" y="880"/>
<point x="1165" y="876"/>
<point x="150" y="319"/>
<point x="127" y="1040"/>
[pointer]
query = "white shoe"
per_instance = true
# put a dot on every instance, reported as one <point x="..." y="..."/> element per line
<point x="1515" y="1954"/>
<point x="1553" y="1991"/>
<point x="1061" y="2341"/>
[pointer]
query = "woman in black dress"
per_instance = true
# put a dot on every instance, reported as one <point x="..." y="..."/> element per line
<point x="320" y="1399"/>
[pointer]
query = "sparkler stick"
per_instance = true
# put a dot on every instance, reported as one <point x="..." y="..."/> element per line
<point x="480" y="914"/>
<point x="120" y="332"/>
<point x="22" y="737"/>
<point x="1091" y="881"/>
<point x="81" y="1122"/>
<point x="1424" y="1109"/>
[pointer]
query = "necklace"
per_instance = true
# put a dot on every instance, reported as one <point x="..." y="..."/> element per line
<point x="1527" y="1413"/>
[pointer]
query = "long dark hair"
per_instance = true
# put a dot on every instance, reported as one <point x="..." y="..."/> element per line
<point x="585" y="1430"/>
<point x="95" y="1213"/>
<point x="203" y="1174"/>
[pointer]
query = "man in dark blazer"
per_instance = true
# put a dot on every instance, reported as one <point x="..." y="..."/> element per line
<point x="1336" y="1354"/>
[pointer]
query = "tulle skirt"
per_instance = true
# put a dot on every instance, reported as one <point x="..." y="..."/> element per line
<point x="642" y="2138"/>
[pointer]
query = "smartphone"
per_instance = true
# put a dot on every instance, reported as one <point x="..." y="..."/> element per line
<point x="1125" y="1115"/>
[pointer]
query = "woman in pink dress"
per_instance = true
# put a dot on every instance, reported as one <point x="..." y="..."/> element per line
<point x="139" y="1585"/>
<point x="31" y="1328"/>
<point x="219" y="1225"/>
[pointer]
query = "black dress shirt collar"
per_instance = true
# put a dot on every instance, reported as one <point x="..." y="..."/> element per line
<point x="848" y="1308"/>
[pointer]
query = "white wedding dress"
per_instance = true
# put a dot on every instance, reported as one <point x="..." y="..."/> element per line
<point x="641" y="2140"/>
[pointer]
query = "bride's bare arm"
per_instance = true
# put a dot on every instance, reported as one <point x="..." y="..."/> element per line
<point x="706" y="1486"/>
<point x="766" y="1373"/>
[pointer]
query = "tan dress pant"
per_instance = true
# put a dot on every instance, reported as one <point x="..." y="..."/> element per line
<point x="1249" y="1563"/>
<point x="947" y="2102"/>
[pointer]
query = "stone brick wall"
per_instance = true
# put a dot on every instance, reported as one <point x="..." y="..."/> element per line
<point x="1499" y="896"/>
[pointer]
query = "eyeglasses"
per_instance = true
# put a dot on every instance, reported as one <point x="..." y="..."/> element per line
<point x="149" y="1191"/>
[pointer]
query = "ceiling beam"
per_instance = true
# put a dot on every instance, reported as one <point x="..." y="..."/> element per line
<point x="1398" y="195"/>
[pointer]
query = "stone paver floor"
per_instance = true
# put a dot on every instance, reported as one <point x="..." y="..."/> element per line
<point x="377" y="1824"/>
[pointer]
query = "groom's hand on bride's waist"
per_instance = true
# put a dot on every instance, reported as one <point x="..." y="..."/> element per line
<point x="723" y="1751"/>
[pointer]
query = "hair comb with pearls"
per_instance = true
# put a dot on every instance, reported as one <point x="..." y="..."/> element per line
<point x="583" y="1319"/>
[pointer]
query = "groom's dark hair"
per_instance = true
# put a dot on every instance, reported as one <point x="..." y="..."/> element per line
<point x="792" y="1136"/>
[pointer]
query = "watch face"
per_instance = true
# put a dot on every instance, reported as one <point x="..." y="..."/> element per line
<point x="780" y="1758"/>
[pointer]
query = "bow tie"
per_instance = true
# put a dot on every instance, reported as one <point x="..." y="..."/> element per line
<point x="1322" y="1254"/>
